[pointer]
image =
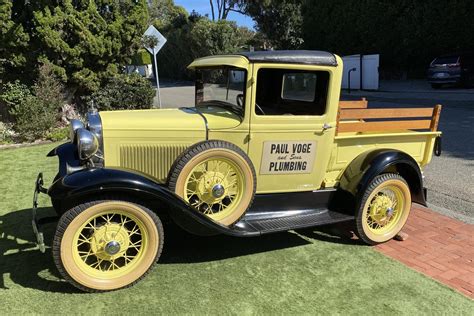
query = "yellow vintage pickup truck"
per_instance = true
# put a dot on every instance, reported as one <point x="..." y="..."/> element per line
<point x="268" y="147"/>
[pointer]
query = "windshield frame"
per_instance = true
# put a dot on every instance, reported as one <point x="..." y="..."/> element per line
<point x="199" y="90"/>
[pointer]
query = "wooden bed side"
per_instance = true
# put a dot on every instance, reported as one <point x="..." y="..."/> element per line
<point x="413" y="119"/>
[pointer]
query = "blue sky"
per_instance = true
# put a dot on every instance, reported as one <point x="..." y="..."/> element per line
<point x="203" y="7"/>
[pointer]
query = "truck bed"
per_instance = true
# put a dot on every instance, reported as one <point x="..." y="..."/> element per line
<point x="360" y="129"/>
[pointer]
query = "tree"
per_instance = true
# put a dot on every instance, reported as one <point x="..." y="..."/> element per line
<point x="84" y="41"/>
<point x="407" y="34"/>
<point x="280" y="21"/>
<point x="197" y="38"/>
<point x="224" y="7"/>
<point x="165" y="14"/>
<point x="13" y="40"/>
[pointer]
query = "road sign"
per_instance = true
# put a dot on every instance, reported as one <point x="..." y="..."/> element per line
<point x="161" y="40"/>
<point x="152" y="31"/>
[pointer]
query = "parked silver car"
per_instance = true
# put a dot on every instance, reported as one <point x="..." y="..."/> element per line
<point x="457" y="69"/>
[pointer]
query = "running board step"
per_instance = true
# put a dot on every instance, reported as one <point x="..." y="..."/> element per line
<point x="266" y="222"/>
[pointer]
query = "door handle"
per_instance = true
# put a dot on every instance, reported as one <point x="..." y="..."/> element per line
<point x="326" y="126"/>
<point x="321" y="128"/>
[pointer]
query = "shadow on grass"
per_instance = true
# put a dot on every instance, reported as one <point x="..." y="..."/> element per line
<point x="28" y="267"/>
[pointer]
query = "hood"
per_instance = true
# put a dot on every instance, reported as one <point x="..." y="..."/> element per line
<point x="182" y="119"/>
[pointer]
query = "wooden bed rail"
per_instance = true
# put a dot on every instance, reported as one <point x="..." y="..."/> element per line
<point x="356" y="104"/>
<point x="352" y="120"/>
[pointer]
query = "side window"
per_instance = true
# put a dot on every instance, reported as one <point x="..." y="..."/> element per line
<point x="291" y="92"/>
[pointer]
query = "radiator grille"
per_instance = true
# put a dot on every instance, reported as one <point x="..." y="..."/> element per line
<point x="153" y="160"/>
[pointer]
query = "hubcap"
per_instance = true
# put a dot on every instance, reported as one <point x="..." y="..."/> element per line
<point x="112" y="247"/>
<point x="218" y="191"/>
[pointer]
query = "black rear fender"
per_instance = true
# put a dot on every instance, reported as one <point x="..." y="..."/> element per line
<point x="367" y="166"/>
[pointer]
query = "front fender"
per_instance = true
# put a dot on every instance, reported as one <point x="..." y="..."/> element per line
<point x="68" y="156"/>
<point x="367" y="166"/>
<point x="88" y="184"/>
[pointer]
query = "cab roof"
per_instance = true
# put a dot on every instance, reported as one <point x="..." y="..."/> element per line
<point x="243" y="59"/>
<point x="313" y="57"/>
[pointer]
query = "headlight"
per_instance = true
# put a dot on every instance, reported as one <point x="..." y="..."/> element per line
<point x="87" y="144"/>
<point x="75" y="125"/>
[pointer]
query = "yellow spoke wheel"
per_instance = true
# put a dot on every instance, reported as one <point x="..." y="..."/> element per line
<point x="384" y="209"/>
<point x="217" y="179"/>
<point x="107" y="245"/>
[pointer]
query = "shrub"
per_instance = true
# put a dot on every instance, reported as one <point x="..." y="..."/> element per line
<point x="6" y="133"/>
<point x="14" y="93"/>
<point x="34" y="112"/>
<point x="58" y="134"/>
<point x="33" y="118"/>
<point x="124" y="92"/>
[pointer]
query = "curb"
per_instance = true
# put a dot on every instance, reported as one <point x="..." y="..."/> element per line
<point x="14" y="146"/>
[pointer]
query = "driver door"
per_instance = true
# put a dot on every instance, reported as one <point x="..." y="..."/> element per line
<point x="291" y="126"/>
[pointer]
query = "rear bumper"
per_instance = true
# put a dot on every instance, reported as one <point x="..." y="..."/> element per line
<point x="447" y="79"/>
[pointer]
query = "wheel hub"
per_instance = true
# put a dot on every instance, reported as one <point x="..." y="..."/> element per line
<point x="211" y="187"/>
<point x="381" y="209"/>
<point x="110" y="241"/>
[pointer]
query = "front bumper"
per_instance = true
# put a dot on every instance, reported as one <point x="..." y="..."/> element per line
<point x="36" y="222"/>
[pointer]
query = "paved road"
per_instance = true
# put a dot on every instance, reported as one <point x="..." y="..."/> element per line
<point x="449" y="178"/>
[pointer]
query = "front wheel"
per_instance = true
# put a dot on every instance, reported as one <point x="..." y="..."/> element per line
<point x="107" y="245"/>
<point x="383" y="209"/>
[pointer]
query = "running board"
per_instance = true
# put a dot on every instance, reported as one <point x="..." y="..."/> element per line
<point x="266" y="222"/>
<point x="271" y="213"/>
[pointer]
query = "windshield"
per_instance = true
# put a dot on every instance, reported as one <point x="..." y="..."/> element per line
<point x="221" y="87"/>
<point x="446" y="60"/>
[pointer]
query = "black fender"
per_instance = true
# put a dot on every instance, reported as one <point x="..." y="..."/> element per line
<point x="88" y="184"/>
<point x="68" y="156"/>
<point x="365" y="167"/>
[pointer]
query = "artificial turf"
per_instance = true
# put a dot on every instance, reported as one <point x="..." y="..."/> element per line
<point x="309" y="271"/>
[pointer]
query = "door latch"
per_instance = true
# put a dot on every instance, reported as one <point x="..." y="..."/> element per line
<point x="326" y="126"/>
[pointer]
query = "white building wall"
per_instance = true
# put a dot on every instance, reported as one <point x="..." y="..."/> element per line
<point x="370" y="72"/>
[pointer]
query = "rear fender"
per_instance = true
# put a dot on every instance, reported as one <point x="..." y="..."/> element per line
<point x="367" y="166"/>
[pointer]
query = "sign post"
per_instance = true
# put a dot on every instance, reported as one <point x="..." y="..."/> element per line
<point x="159" y="41"/>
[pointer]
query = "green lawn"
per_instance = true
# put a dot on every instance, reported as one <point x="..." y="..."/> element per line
<point x="308" y="271"/>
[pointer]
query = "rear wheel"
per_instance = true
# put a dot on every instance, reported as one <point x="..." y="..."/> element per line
<point x="384" y="209"/>
<point x="107" y="245"/>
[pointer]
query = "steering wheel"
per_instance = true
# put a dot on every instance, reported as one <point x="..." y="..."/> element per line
<point x="257" y="107"/>
<point x="240" y="100"/>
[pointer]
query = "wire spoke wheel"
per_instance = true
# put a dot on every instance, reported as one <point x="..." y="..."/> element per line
<point x="107" y="245"/>
<point x="214" y="187"/>
<point x="384" y="209"/>
<point x="215" y="178"/>
<point x="110" y="243"/>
